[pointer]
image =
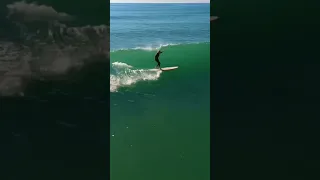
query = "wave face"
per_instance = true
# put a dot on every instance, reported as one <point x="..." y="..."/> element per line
<point x="160" y="113"/>
<point x="45" y="45"/>
<point x="131" y="67"/>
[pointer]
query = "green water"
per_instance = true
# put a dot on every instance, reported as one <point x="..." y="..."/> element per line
<point x="160" y="128"/>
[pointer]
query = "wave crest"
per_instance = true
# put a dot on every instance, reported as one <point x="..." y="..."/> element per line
<point x="147" y="48"/>
<point x="46" y="46"/>
<point x="156" y="47"/>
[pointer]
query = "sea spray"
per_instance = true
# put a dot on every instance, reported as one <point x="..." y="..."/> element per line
<point x="126" y="76"/>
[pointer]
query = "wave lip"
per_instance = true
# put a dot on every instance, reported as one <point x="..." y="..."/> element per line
<point x="125" y="76"/>
<point x="155" y="47"/>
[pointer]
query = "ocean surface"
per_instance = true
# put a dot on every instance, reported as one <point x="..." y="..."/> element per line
<point x="160" y="122"/>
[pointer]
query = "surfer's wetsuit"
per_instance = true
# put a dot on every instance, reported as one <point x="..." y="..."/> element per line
<point x="156" y="58"/>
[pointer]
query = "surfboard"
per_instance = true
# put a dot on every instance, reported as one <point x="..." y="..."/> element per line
<point x="165" y="69"/>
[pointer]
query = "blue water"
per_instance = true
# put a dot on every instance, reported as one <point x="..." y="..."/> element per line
<point x="152" y="25"/>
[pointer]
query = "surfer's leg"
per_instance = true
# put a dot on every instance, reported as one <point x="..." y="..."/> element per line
<point x="158" y="62"/>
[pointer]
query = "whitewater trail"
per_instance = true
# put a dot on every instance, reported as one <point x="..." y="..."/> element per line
<point x="125" y="75"/>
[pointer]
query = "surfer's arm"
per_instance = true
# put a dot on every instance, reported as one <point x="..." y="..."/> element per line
<point x="158" y="53"/>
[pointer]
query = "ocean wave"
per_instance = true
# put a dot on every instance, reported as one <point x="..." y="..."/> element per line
<point x="47" y="47"/>
<point x="28" y="12"/>
<point x="155" y="47"/>
<point x="135" y="65"/>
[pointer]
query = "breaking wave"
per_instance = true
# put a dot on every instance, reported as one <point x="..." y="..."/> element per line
<point x="130" y="66"/>
<point x="47" y="46"/>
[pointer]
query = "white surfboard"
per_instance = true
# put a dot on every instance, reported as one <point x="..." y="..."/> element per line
<point x="165" y="69"/>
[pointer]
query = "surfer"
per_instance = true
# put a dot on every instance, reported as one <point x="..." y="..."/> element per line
<point x="156" y="58"/>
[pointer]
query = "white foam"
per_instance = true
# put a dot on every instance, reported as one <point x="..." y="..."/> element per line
<point x="126" y="76"/>
<point x="42" y="55"/>
<point x="118" y="65"/>
<point x="147" y="48"/>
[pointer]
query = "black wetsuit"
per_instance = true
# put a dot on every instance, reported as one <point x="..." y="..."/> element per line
<point x="156" y="58"/>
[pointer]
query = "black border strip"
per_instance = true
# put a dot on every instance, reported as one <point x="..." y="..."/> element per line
<point x="265" y="90"/>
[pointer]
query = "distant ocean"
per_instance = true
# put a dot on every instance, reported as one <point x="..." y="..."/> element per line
<point x="160" y="122"/>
